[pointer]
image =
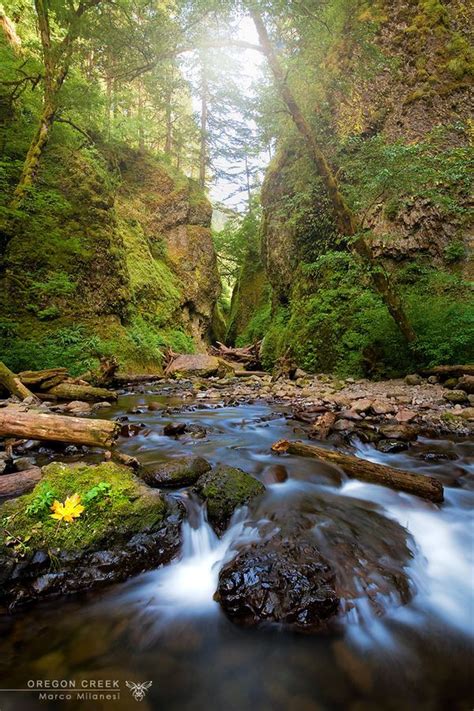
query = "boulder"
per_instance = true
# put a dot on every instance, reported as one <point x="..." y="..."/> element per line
<point x="225" y="489"/>
<point x="413" y="379"/>
<point x="123" y="531"/>
<point x="201" y="365"/>
<point x="466" y="383"/>
<point x="175" y="473"/>
<point x="455" y="396"/>
<point x="282" y="581"/>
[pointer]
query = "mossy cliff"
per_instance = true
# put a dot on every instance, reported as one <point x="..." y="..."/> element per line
<point x="390" y="105"/>
<point x="111" y="254"/>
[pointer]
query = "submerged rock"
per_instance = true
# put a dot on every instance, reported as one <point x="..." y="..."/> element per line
<point x="280" y="580"/>
<point x="124" y="529"/>
<point x="175" y="473"/>
<point x="316" y="559"/>
<point x="225" y="489"/>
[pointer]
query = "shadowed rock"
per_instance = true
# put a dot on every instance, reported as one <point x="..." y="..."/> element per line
<point x="177" y="472"/>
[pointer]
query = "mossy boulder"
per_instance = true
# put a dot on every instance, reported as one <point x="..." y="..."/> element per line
<point x="201" y="365"/>
<point x="225" y="489"/>
<point x="178" y="472"/>
<point x="125" y="528"/>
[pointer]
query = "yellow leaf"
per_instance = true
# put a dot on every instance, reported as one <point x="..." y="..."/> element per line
<point x="69" y="510"/>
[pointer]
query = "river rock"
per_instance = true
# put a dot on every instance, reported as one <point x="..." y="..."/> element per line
<point x="455" y="396"/>
<point x="413" y="379"/>
<point x="130" y="531"/>
<point x="201" y="365"/>
<point x="280" y="580"/>
<point x="225" y="489"/>
<point x="174" y="429"/>
<point x="466" y="383"/>
<point x="175" y="473"/>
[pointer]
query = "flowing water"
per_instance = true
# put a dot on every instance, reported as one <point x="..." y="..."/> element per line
<point x="164" y="626"/>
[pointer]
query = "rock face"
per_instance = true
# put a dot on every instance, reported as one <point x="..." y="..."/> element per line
<point x="280" y="581"/>
<point x="140" y="256"/>
<point x="124" y="532"/>
<point x="224" y="489"/>
<point x="201" y="365"/>
<point x="179" y="472"/>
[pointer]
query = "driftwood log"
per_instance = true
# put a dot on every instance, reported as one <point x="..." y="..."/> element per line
<point x="448" y="371"/>
<point x="35" y="378"/>
<point x="19" y="482"/>
<point x="248" y="355"/>
<point x="32" y="424"/>
<point x="424" y="486"/>
<point x="13" y="384"/>
<point x="73" y="391"/>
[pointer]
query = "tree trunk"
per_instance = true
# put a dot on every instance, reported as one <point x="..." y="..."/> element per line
<point x="424" y="486"/>
<point x="19" y="482"/>
<point x="13" y="384"/>
<point x="56" y="428"/>
<point x="449" y="371"/>
<point x="203" y="157"/>
<point x="35" y="378"/>
<point x="345" y="219"/>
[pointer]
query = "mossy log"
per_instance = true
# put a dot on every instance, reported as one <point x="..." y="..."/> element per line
<point x="449" y="371"/>
<point x="424" y="486"/>
<point x="73" y="391"/>
<point x="35" y="378"/>
<point x="57" y="428"/>
<point x="13" y="384"/>
<point x="19" y="482"/>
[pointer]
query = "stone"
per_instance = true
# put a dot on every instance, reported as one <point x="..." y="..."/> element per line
<point x="455" y="396"/>
<point x="433" y="379"/>
<point x="174" y="429"/>
<point x="402" y="431"/>
<point x="363" y="405"/>
<point x="282" y="581"/>
<point x="225" y="489"/>
<point x="275" y="474"/>
<point x="451" y="383"/>
<point x="413" y="379"/>
<point x="391" y="446"/>
<point x="381" y="407"/>
<point x="175" y="473"/>
<point x="466" y="383"/>
<point x="77" y="407"/>
<point x="467" y="413"/>
<point x="22" y="463"/>
<point x="201" y="365"/>
<point x="405" y="415"/>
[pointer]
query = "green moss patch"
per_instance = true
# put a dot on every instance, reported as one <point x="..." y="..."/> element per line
<point x="116" y="505"/>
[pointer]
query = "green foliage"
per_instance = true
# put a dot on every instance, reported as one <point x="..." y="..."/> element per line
<point x="97" y="492"/>
<point x="342" y="326"/>
<point x="454" y="252"/>
<point x="42" y="500"/>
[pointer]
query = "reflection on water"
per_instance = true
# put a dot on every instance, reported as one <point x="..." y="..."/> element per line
<point x="165" y="626"/>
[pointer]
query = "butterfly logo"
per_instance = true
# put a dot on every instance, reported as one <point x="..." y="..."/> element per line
<point x="138" y="691"/>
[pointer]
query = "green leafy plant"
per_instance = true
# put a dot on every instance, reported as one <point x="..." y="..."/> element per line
<point x="97" y="492"/>
<point x="42" y="501"/>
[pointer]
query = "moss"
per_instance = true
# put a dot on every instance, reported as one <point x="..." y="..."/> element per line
<point x="225" y="489"/>
<point x="129" y="508"/>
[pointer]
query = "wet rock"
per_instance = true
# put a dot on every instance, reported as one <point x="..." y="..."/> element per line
<point x="282" y="581"/>
<point x="131" y="429"/>
<point x="225" y="489"/>
<point x="405" y="432"/>
<point x="77" y="407"/>
<point x="201" y="365"/>
<point x="455" y="396"/>
<point x="175" y="473"/>
<point x="275" y="474"/>
<point x="174" y="429"/>
<point x="405" y="415"/>
<point x="451" y="383"/>
<point x="391" y="446"/>
<point x="413" y="379"/>
<point x="467" y="413"/>
<point x="134" y="532"/>
<point x="196" y="431"/>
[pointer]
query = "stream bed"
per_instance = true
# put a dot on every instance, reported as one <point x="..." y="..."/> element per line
<point x="165" y="627"/>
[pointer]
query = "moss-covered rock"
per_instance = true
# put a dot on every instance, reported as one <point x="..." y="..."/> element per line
<point x="125" y="528"/>
<point x="225" y="489"/>
<point x="175" y="473"/>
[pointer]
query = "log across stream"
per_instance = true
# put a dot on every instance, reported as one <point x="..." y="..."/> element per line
<point x="164" y="625"/>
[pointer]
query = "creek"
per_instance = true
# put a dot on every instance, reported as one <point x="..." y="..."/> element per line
<point x="165" y="626"/>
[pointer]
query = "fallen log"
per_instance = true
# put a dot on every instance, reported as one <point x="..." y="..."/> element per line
<point x="248" y="373"/>
<point x="34" y="378"/>
<point x="105" y="373"/>
<point x="32" y="424"/>
<point x="248" y="355"/>
<point x="73" y="391"/>
<point x="19" y="482"/>
<point x="13" y="384"/>
<point x="424" y="486"/>
<point x="448" y="371"/>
